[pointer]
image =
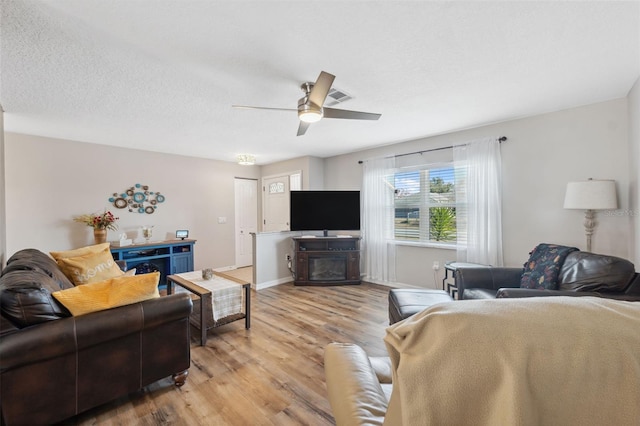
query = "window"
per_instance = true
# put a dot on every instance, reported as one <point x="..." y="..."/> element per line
<point x="425" y="204"/>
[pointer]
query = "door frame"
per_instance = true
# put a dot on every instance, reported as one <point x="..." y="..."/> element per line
<point x="237" y="226"/>
<point x="262" y="184"/>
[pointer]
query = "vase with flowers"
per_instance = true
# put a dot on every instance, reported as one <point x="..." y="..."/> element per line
<point x="100" y="222"/>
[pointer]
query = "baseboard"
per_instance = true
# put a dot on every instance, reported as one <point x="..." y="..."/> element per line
<point x="267" y="284"/>
<point x="392" y="284"/>
<point x="272" y="283"/>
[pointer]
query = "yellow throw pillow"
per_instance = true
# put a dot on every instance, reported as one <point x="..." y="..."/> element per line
<point x="90" y="267"/>
<point x="57" y="255"/>
<point x="130" y="272"/>
<point x="109" y="294"/>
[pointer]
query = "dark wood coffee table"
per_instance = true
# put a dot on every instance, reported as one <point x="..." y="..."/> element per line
<point x="202" y="316"/>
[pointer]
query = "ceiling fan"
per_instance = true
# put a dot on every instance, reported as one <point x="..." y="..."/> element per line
<point x="310" y="109"/>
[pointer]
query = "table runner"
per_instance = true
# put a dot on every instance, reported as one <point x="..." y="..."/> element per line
<point x="226" y="295"/>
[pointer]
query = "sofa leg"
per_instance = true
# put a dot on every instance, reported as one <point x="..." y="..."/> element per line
<point x="180" y="378"/>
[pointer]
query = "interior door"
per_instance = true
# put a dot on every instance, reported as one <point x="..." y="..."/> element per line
<point x="246" y="214"/>
<point x="275" y="203"/>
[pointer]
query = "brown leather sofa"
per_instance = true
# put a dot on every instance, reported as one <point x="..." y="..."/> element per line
<point x="581" y="274"/>
<point x="54" y="366"/>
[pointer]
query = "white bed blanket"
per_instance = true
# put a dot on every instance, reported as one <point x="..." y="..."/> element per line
<point x="535" y="361"/>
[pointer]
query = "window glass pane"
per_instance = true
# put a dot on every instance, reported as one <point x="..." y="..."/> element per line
<point x="442" y="224"/>
<point x="407" y="205"/>
<point x="441" y="186"/>
<point x="425" y="204"/>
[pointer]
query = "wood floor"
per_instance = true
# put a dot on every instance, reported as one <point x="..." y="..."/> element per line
<point x="272" y="374"/>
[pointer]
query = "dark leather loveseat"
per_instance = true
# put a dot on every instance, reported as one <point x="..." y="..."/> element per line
<point x="581" y="274"/>
<point x="54" y="365"/>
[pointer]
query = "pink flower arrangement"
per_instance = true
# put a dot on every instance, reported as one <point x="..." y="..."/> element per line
<point x="105" y="220"/>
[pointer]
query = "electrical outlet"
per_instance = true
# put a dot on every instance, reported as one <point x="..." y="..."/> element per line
<point x="287" y="257"/>
<point x="436" y="265"/>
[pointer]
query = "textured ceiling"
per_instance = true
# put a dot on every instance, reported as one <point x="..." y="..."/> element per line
<point x="162" y="75"/>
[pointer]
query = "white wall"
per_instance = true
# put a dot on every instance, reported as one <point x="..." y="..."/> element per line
<point x="270" y="262"/>
<point x="634" y="169"/>
<point x="312" y="169"/>
<point x="316" y="174"/>
<point x="3" y="221"/>
<point x="49" y="181"/>
<point x="541" y="155"/>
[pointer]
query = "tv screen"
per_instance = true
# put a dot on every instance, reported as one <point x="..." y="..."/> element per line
<point x="325" y="210"/>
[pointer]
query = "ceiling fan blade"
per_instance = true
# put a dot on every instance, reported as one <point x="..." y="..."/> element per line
<point x="321" y="88"/>
<point x="257" y="107"/>
<point x="352" y="115"/>
<point x="302" y="128"/>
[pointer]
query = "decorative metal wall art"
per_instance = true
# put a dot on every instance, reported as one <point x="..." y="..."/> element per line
<point x="138" y="199"/>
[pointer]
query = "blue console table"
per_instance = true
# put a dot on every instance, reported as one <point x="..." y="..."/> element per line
<point x="168" y="257"/>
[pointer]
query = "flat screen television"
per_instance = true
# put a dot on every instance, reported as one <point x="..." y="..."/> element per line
<point x="325" y="211"/>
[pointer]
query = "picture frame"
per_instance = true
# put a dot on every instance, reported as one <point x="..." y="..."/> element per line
<point x="182" y="234"/>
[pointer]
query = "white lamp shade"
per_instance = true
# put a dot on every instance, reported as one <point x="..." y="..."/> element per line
<point x="591" y="195"/>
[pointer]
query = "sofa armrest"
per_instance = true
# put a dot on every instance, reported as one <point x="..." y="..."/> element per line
<point x="355" y="394"/>
<point x="532" y="292"/>
<point x="492" y="278"/>
<point x="633" y="289"/>
<point x="68" y="335"/>
<point x="382" y="367"/>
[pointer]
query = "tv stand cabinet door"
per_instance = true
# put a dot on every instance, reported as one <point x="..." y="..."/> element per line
<point x="353" y="266"/>
<point x="302" y="267"/>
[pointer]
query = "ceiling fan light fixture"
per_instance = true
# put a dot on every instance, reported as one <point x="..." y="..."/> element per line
<point x="246" y="159"/>
<point x="309" y="116"/>
<point x="309" y="113"/>
<point x="311" y="107"/>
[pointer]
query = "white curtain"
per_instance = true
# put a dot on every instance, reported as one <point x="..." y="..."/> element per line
<point x="378" y="220"/>
<point x="479" y="201"/>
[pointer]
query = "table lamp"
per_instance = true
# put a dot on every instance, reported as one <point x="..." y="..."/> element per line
<point x="591" y="195"/>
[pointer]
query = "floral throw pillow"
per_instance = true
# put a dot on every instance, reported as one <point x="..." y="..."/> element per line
<point x="543" y="267"/>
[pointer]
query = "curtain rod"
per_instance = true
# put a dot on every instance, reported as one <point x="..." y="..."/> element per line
<point x="500" y="139"/>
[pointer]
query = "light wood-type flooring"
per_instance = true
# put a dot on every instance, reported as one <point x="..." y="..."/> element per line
<point x="272" y="374"/>
<point x="244" y="274"/>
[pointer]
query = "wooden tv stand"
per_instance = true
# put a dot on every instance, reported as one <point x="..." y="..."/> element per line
<point x="326" y="261"/>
